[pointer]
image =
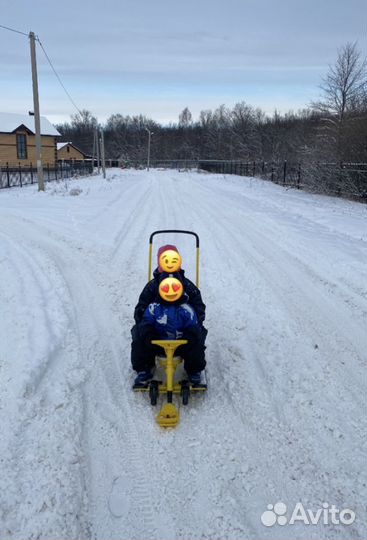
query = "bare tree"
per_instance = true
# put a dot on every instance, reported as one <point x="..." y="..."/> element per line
<point x="84" y="120"/>
<point x="345" y="90"/>
<point x="345" y="85"/>
<point x="185" y="118"/>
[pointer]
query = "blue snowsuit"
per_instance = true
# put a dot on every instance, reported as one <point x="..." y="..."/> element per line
<point x="162" y="320"/>
<point x="169" y="321"/>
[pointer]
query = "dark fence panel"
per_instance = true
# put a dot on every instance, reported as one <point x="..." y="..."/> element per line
<point x="173" y="163"/>
<point x="341" y="179"/>
<point x="16" y="175"/>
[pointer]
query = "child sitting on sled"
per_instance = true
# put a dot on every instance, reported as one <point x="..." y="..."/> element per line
<point x="169" y="260"/>
<point x="169" y="316"/>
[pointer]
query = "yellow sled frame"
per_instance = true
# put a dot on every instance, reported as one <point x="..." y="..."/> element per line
<point x="169" y="415"/>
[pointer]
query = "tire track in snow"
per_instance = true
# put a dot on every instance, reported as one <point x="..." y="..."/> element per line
<point x="287" y="459"/>
<point x="227" y="251"/>
<point x="51" y="312"/>
<point x="142" y="200"/>
<point x="292" y="274"/>
<point x="282" y="282"/>
<point x="343" y="290"/>
<point x="327" y="438"/>
<point x="132" y="449"/>
<point x="140" y="498"/>
<point x="166" y="489"/>
<point x="70" y="266"/>
<point x="214" y="409"/>
<point x="219" y="362"/>
<point x="34" y="479"/>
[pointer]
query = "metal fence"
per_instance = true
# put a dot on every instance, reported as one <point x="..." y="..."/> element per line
<point x="180" y="164"/>
<point x="341" y="179"/>
<point x="12" y="175"/>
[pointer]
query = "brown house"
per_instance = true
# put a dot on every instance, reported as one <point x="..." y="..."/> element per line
<point x="18" y="144"/>
<point x="67" y="150"/>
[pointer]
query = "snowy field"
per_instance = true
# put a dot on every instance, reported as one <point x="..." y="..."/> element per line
<point x="283" y="275"/>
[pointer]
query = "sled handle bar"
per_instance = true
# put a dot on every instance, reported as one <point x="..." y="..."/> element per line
<point x="180" y="232"/>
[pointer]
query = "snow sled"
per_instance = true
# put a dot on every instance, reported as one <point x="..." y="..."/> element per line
<point x="169" y="380"/>
<point x="169" y="376"/>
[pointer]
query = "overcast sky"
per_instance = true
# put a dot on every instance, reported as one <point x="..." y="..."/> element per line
<point x="156" y="57"/>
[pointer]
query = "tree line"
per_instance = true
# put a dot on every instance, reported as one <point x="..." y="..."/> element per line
<point x="332" y="130"/>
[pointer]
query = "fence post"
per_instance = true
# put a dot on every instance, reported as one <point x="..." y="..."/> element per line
<point x="299" y="176"/>
<point x="254" y="168"/>
<point x="7" y="173"/>
<point x="284" y="171"/>
<point x="48" y="171"/>
<point x="263" y="168"/>
<point x="272" y="171"/>
<point x="20" y="175"/>
<point x="31" y="174"/>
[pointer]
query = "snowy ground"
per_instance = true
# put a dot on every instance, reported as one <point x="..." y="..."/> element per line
<point x="283" y="277"/>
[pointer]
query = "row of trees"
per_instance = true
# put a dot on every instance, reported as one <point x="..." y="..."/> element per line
<point x="331" y="130"/>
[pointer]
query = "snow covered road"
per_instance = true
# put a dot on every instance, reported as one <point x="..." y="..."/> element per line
<point x="284" y="280"/>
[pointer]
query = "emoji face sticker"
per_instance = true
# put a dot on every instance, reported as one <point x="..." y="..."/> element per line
<point x="170" y="289"/>
<point x="170" y="261"/>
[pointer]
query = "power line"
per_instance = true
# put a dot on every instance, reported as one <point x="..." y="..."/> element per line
<point x="49" y="61"/>
<point x="58" y="78"/>
<point x="13" y="30"/>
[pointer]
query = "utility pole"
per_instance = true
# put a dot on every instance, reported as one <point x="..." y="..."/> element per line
<point x="103" y="155"/>
<point x="37" y="120"/>
<point x="150" y="133"/>
<point x="98" y="157"/>
<point x="94" y="150"/>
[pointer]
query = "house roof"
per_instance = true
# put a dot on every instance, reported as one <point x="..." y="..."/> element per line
<point x="9" y="122"/>
<point x="61" y="145"/>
